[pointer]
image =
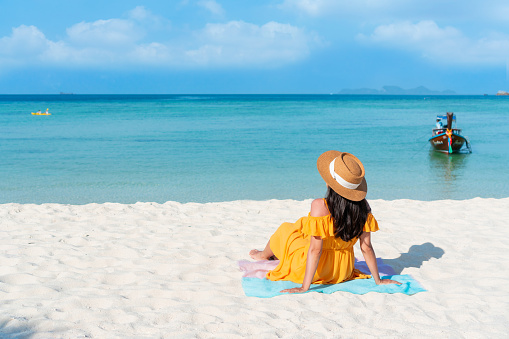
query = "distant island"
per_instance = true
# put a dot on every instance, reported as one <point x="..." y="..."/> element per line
<point x="502" y="93"/>
<point x="395" y="90"/>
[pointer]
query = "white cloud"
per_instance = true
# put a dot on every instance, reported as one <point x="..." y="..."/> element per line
<point x="310" y="7"/>
<point x="106" y="33"/>
<point x="238" y="43"/>
<point x="212" y="6"/>
<point x="24" y="46"/>
<point x="424" y="32"/>
<point x="446" y="45"/>
<point x="155" y="54"/>
<point x="341" y="7"/>
<point x="140" y="13"/>
<point x="143" y="18"/>
<point x="469" y="13"/>
<point x="23" y="40"/>
<point x="117" y="43"/>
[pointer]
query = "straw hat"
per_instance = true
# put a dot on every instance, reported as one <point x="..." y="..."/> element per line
<point x="344" y="173"/>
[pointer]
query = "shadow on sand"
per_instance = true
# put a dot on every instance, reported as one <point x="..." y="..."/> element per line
<point x="17" y="332"/>
<point x="416" y="255"/>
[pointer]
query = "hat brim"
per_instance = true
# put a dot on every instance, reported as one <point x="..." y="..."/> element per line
<point x="323" y="164"/>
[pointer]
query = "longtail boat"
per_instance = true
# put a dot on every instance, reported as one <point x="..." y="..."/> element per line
<point x="448" y="138"/>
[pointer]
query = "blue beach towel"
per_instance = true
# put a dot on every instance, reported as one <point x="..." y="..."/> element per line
<point x="255" y="286"/>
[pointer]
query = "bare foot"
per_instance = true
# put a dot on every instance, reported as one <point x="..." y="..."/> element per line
<point x="257" y="255"/>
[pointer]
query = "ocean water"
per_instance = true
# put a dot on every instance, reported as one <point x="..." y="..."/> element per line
<point x="206" y="148"/>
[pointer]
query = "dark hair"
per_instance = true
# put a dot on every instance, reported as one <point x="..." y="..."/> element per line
<point x="349" y="216"/>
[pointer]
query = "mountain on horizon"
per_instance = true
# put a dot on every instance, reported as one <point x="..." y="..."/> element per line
<point x="395" y="90"/>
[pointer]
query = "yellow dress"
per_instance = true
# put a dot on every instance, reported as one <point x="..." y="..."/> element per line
<point x="290" y="244"/>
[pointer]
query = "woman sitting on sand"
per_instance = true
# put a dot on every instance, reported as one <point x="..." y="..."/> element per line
<point x="318" y="248"/>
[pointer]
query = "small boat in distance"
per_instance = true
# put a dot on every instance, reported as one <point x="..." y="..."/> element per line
<point x="448" y="139"/>
<point x="42" y="113"/>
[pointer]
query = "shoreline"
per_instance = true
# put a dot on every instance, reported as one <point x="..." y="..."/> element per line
<point x="238" y="201"/>
<point x="170" y="270"/>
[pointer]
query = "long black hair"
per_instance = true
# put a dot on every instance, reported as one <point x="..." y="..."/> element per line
<point x="349" y="216"/>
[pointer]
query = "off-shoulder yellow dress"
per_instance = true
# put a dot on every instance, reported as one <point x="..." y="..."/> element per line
<point x="290" y="244"/>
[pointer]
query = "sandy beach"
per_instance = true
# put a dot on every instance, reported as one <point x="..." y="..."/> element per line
<point x="170" y="270"/>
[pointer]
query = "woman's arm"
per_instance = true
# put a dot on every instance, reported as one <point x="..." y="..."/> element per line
<point x="369" y="255"/>
<point x="314" y="253"/>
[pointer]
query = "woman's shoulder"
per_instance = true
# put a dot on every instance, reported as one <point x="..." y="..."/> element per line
<point x="319" y="208"/>
<point x="318" y="222"/>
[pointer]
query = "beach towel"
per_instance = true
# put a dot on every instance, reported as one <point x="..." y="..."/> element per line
<point x="255" y="284"/>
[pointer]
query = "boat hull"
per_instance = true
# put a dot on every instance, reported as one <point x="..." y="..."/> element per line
<point x="440" y="142"/>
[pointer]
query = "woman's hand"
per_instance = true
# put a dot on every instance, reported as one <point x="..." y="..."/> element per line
<point x="388" y="281"/>
<point x="295" y="290"/>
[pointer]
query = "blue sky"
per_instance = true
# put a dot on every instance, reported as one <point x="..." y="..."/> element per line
<point x="279" y="46"/>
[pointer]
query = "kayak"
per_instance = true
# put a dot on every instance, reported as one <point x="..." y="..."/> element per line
<point x="35" y="113"/>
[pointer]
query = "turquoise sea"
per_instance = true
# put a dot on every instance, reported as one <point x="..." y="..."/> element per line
<point x="205" y="148"/>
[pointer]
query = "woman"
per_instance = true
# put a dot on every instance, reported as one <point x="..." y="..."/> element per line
<point x="319" y="248"/>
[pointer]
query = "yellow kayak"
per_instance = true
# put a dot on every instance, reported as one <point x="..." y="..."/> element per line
<point x="35" y="113"/>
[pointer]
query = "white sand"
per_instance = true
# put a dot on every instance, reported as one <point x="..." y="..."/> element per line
<point x="169" y="270"/>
